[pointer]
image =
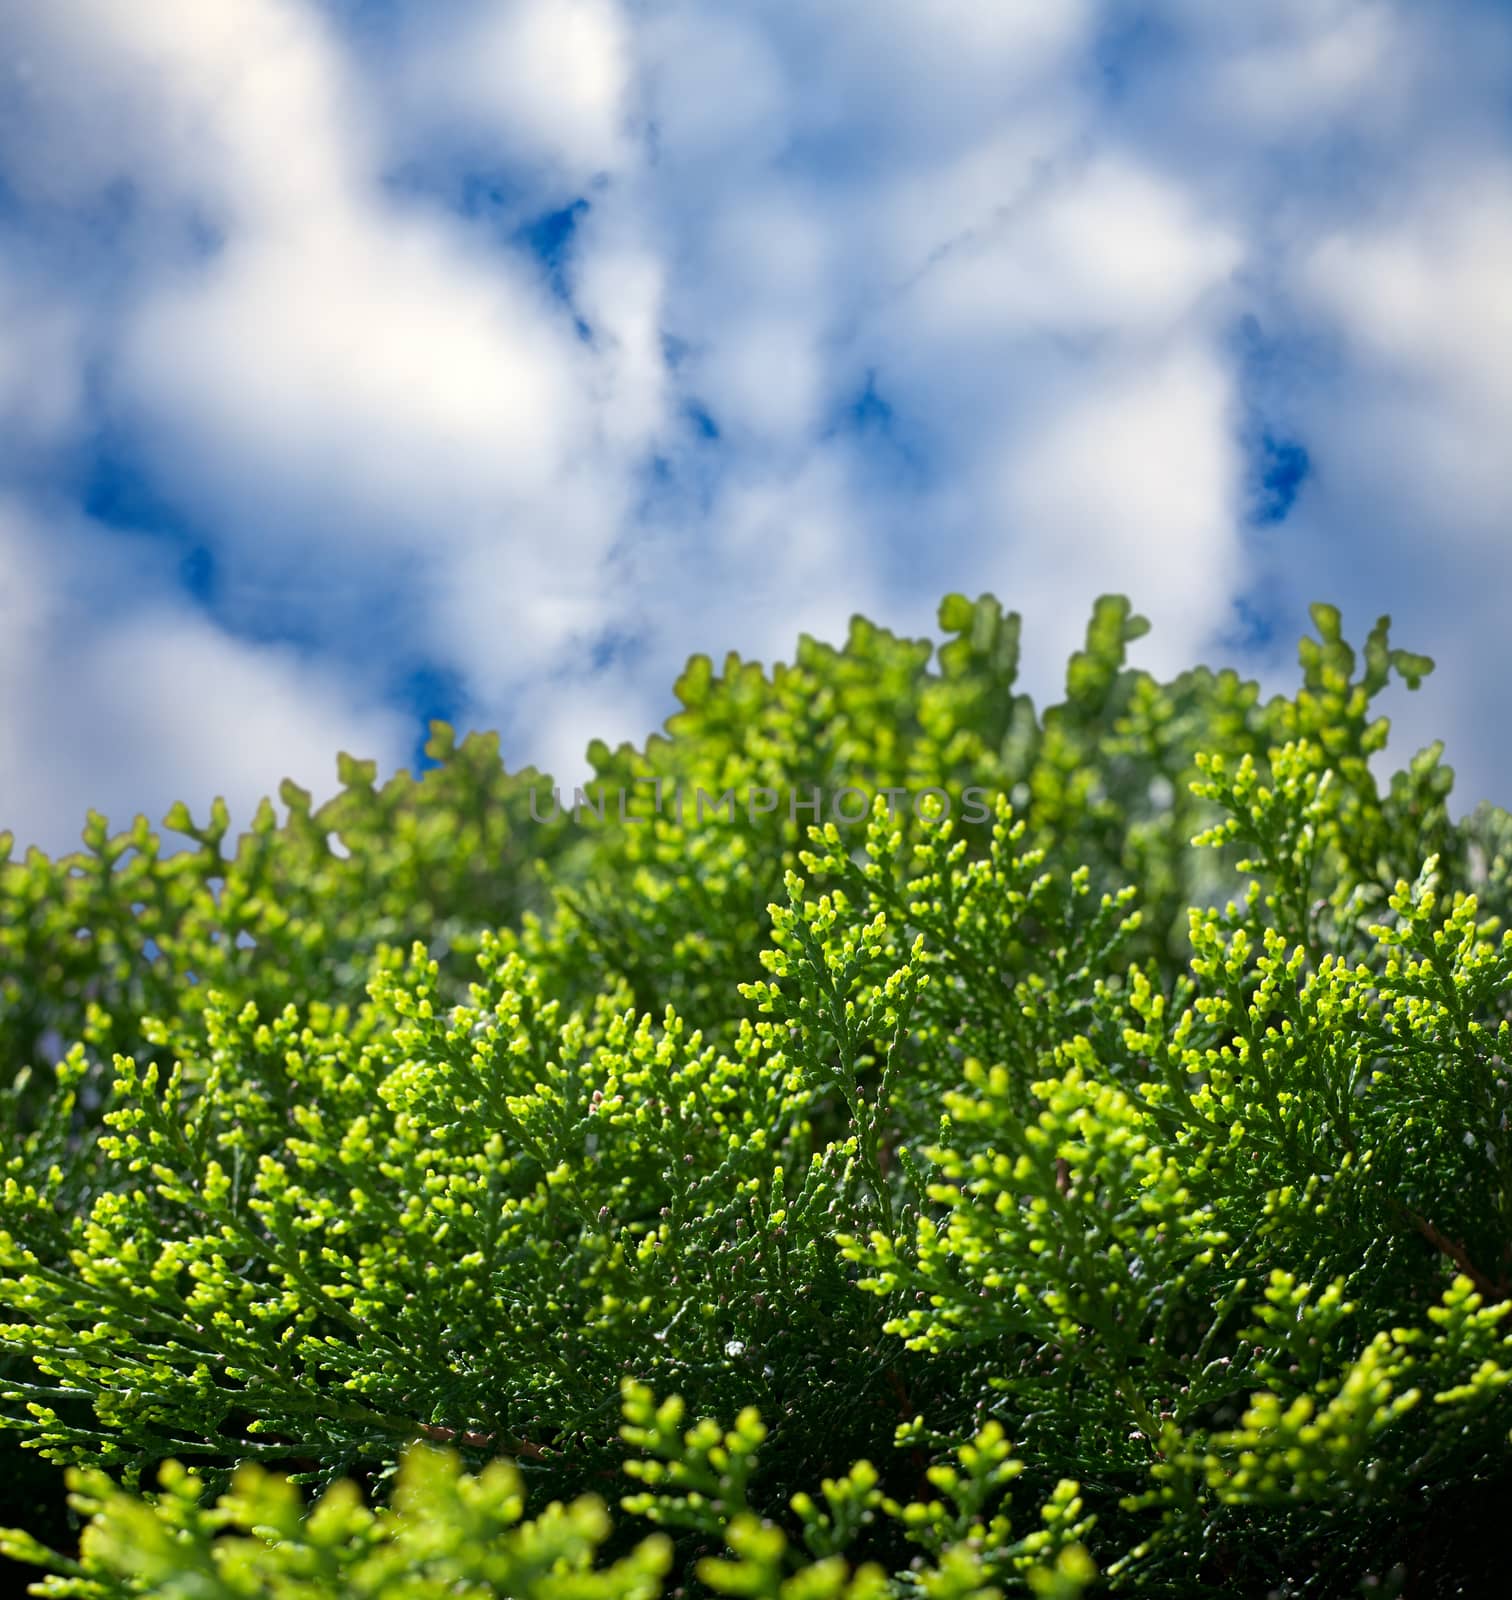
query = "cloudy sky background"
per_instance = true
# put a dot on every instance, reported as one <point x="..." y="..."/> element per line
<point x="363" y="361"/>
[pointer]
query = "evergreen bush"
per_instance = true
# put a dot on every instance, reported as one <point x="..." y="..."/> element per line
<point x="1110" y="1195"/>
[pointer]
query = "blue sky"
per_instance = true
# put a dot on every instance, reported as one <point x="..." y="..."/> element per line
<point x="368" y="360"/>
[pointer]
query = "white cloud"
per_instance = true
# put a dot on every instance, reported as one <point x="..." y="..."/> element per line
<point x="545" y="81"/>
<point x="341" y="353"/>
<point x="1113" y="247"/>
<point x="130" y="713"/>
<point x="24" y="602"/>
<point x="1285" y="67"/>
<point x="619" y="287"/>
<point x="1417" y="454"/>
<point x="222" y="716"/>
<point x="1130" y="487"/>
<point x="375" y="364"/>
<point x="41" y="344"/>
<point x="915" y="83"/>
<point x="794" y="544"/>
<point x="791" y="556"/>
<point x="766" y="377"/>
<point x="1424" y="295"/>
<point x="716" y="92"/>
<point x="244" y="103"/>
<point x="359" y="393"/>
<point x="520" y="601"/>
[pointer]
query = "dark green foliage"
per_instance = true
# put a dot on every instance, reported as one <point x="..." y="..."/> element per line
<point x="1144" y="1146"/>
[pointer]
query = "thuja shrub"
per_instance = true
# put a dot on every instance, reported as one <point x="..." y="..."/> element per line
<point x="939" y="1157"/>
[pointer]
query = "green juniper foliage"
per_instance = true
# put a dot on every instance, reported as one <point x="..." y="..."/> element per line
<point x="448" y="1533"/>
<point x="1112" y="1196"/>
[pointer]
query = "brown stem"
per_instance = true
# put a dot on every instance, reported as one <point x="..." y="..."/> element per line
<point x="480" y="1441"/>
<point x="1501" y="1290"/>
<point x="918" y="1456"/>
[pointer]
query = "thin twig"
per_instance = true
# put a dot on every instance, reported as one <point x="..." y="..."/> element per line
<point x="1456" y="1252"/>
<point x="480" y="1441"/>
